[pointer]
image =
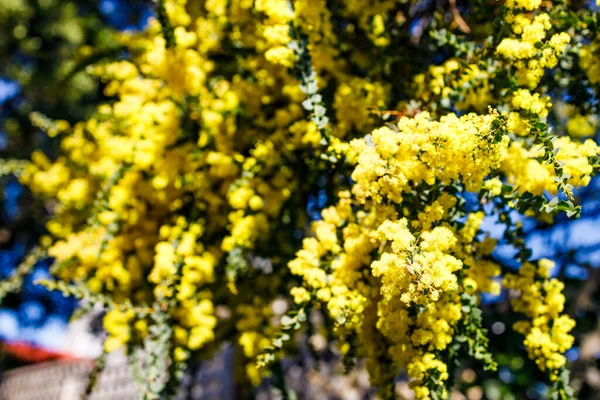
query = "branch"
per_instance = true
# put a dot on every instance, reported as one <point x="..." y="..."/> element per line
<point x="458" y="19"/>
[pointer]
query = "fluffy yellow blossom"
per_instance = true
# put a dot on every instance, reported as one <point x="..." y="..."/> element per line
<point x="527" y="173"/>
<point x="414" y="341"/>
<point x="528" y="51"/>
<point x="426" y="150"/>
<point x="582" y="125"/>
<point x="514" y="48"/>
<point x="494" y="186"/>
<point x="546" y="331"/>
<point x="414" y="272"/>
<point x="300" y="295"/>
<point x="533" y="103"/>
<point x="118" y="325"/>
<point x="208" y="178"/>
<point x="240" y="197"/>
<point x="280" y="55"/>
<point x="197" y="316"/>
<point x="278" y="14"/>
<point x="528" y="5"/>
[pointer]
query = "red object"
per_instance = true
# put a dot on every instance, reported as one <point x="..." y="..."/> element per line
<point x="29" y="353"/>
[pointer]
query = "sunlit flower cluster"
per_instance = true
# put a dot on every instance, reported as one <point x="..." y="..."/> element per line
<point x="546" y="329"/>
<point x="275" y="152"/>
<point x="531" y="49"/>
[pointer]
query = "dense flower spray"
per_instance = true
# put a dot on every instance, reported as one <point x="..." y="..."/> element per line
<point x="183" y="205"/>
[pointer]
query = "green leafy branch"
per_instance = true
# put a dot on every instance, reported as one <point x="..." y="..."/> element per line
<point x="157" y="346"/>
<point x="542" y="137"/>
<point x="472" y="333"/>
<point x="290" y="322"/>
<point x="45" y="123"/>
<point x="78" y="290"/>
<point x="81" y="292"/>
<point x="307" y="76"/>
<point x="99" y="365"/>
<point x="461" y="46"/>
<point x="237" y="263"/>
<point x="162" y="371"/>
<point x="437" y="388"/>
<point x="560" y="389"/>
<point x="102" y="196"/>
<point x="13" y="167"/>
<point x="14" y="283"/>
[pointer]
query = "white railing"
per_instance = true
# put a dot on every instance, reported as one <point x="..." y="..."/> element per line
<point x="67" y="380"/>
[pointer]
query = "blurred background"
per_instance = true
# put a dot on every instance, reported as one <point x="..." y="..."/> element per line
<point x="45" y="47"/>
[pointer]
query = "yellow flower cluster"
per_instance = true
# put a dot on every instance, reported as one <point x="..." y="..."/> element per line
<point x="469" y="85"/>
<point x="423" y="150"/>
<point x="355" y="96"/>
<point x="533" y="103"/>
<point x="251" y="320"/>
<point x="276" y="33"/>
<point x="118" y="325"/>
<point x="414" y="263"/>
<point x="531" y="52"/>
<point x="421" y="265"/>
<point x="341" y="289"/>
<point x="163" y="183"/>
<point x="541" y="300"/>
<point x="415" y="272"/>
<point x="196" y="322"/>
<point x="416" y="341"/>
<point x="528" y="5"/>
<point x="313" y="17"/>
<point x="191" y="188"/>
<point x="582" y="125"/>
<point x="353" y="100"/>
<point x="524" y="171"/>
